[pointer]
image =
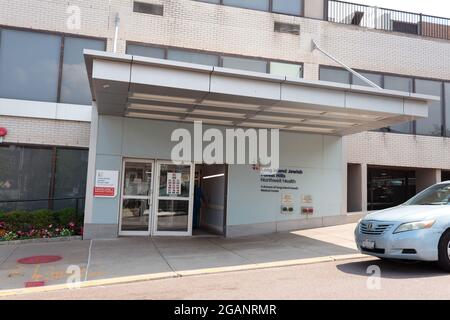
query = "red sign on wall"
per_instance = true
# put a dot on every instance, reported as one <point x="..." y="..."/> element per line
<point x="106" y="183"/>
<point x="104" y="192"/>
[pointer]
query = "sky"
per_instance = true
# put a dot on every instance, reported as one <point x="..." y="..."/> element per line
<point x="440" y="8"/>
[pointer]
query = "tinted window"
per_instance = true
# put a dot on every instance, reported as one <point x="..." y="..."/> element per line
<point x="431" y="125"/>
<point x="25" y="175"/>
<point x="286" y="69"/>
<point x="70" y="177"/>
<point x="75" y="84"/>
<point x="293" y="7"/>
<point x="249" y="4"/>
<point x="144" y="51"/>
<point x="399" y="84"/>
<point x="193" y="57"/>
<point x="388" y="188"/>
<point x="210" y="1"/>
<point x="447" y="108"/>
<point x="334" y="75"/>
<point x="29" y="65"/>
<point x="375" y="78"/>
<point x="245" y="64"/>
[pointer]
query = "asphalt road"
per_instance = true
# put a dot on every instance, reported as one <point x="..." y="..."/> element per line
<point x="333" y="280"/>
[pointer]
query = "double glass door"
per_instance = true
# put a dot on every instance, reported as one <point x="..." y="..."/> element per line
<point x="156" y="198"/>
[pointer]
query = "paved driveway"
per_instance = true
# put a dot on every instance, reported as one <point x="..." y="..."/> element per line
<point x="104" y="259"/>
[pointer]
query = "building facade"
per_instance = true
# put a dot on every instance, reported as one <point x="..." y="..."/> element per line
<point x="46" y="103"/>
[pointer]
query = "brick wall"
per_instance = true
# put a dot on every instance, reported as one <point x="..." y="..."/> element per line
<point x="390" y="149"/>
<point x="47" y="132"/>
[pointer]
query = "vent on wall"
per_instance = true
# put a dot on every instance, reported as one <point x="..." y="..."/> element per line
<point x="287" y="28"/>
<point x="148" y="8"/>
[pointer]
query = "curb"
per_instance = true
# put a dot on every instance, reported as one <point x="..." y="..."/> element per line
<point x="40" y="240"/>
<point x="178" y="274"/>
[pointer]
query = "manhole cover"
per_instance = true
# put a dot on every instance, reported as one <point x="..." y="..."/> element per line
<point x="39" y="259"/>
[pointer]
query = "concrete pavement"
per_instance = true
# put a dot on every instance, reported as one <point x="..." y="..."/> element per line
<point x="135" y="259"/>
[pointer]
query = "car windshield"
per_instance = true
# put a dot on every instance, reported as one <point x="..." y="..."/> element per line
<point x="435" y="195"/>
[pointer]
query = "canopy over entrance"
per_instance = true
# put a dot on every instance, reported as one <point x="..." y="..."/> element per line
<point x="134" y="86"/>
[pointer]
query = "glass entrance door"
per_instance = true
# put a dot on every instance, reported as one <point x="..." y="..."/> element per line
<point x="173" y="199"/>
<point x="136" y="197"/>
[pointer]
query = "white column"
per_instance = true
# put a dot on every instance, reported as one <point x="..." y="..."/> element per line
<point x="91" y="166"/>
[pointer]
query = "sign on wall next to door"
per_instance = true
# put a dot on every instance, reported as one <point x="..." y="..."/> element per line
<point x="106" y="182"/>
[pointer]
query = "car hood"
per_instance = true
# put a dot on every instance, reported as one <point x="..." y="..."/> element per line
<point x="405" y="213"/>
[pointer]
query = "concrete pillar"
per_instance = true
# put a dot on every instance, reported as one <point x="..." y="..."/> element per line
<point x="88" y="207"/>
<point x="311" y="71"/>
<point x="364" y="186"/>
<point x="426" y="178"/>
<point x="354" y="190"/>
<point x="315" y="9"/>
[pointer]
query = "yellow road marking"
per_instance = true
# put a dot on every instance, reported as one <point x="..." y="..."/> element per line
<point x="185" y="273"/>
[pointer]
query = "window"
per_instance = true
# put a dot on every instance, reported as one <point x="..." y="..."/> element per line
<point x="148" y="8"/>
<point x="334" y="75"/>
<point x="244" y="64"/>
<point x="193" y="57"/>
<point x="388" y="188"/>
<point x="145" y="51"/>
<point x="70" y="177"/>
<point x="400" y="84"/>
<point x="447" y="109"/>
<point x="286" y="28"/>
<point x="210" y="1"/>
<point x="25" y="175"/>
<point x="375" y="78"/>
<point x="30" y="177"/>
<point x="286" y="69"/>
<point x="74" y="84"/>
<point x="29" y="65"/>
<point x="433" y="124"/>
<point x="215" y="59"/>
<point x="292" y="7"/>
<point x="249" y="4"/>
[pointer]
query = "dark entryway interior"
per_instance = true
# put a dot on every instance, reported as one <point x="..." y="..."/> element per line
<point x="445" y="175"/>
<point x="209" y="214"/>
<point x="389" y="187"/>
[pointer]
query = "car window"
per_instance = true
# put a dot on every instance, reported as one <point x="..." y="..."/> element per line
<point x="435" y="195"/>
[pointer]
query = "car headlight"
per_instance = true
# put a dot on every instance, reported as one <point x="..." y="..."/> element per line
<point x="410" y="226"/>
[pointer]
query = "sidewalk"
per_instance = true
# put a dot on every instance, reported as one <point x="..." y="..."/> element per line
<point x="132" y="259"/>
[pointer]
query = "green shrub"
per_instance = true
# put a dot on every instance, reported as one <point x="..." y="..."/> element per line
<point x="39" y="223"/>
<point x="65" y="216"/>
<point x="41" y="219"/>
<point x="16" y="220"/>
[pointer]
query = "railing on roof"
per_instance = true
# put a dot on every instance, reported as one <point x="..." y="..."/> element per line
<point x="388" y="19"/>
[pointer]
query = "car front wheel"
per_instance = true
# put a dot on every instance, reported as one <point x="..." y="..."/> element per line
<point x="444" y="251"/>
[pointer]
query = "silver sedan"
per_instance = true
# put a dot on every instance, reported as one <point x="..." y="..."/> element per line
<point x="416" y="230"/>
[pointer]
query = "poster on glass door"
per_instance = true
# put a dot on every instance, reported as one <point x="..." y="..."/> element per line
<point x="173" y="183"/>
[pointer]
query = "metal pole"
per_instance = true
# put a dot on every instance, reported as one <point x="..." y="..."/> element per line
<point x="116" y="33"/>
<point x="315" y="46"/>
